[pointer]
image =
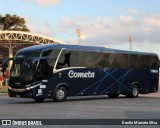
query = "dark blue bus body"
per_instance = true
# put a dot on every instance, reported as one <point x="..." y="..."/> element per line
<point x="58" y="71"/>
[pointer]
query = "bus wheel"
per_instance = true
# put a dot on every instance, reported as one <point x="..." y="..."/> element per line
<point x="60" y="94"/>
<point x="113" y="95"/>
<point x="134" y="92"/>
<point x="39" y="99"/>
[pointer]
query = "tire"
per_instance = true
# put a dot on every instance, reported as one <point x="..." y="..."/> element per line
<point x="39" y="99"/>
<point x="134" y="92"/>
<point x="60" y="94"/>
<point x="113" y="95"/>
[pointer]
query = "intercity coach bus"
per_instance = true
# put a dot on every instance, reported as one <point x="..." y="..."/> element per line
<point x="58" y="71"/>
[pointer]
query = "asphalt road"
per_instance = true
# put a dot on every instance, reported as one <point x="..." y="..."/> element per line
<point x="101" y="107"/>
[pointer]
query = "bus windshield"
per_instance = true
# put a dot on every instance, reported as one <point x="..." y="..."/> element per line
<point x="22" y="67"/>
<point x="23" y="70"/>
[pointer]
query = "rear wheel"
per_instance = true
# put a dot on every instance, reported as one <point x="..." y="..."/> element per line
<point x="134" y="92"/>
<point x="113" y="95"/>
<point x="60" y="94"/>
<point x="39" y="99"/>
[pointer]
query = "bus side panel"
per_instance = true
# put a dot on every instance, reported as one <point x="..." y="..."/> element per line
<point x="140" y="77"/>
<point x="82" y="81"/>
<point x="104" y="81"/>
<point x="114" y="82"/>
<point x="121" y="81"/>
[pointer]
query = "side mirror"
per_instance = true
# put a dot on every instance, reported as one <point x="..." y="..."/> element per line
<point x="5" y="61"/>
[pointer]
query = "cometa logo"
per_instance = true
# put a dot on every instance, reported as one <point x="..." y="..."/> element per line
<point x="88" y="74"/>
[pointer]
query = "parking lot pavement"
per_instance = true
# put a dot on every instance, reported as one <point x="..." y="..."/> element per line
<point x="100" y="107"/>
<point x="95" y="107"/>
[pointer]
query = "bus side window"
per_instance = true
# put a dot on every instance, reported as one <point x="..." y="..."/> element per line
<point x="64" y="60"/>
<point x="87" y="59"/>
<point x="119" y="60"/>
<point x="74" y="61"/>
<point x="134" y="61"/>
<point x="153" y="62"/>
<point x="82" y="59"/>
<point x="144" y="61"/>
<point x="91" y="59"/>
<point x="103" y="60"/>
<point x="113" y="61"/>
<point x="49" y="63"/>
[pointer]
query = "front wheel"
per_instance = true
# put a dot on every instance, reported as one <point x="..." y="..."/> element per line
<point x="134" y="92"/>
<point x="60" y="94"/>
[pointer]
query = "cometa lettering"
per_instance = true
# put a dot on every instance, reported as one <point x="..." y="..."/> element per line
<point x="88" y="74"/>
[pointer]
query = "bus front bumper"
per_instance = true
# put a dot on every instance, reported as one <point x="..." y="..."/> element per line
<point x="27" y="92"/>
<point x="23" y="89"/>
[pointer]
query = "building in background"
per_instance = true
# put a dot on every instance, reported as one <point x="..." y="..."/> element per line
<point x="12" y="41"/>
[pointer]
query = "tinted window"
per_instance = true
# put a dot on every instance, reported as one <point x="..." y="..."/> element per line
<point x="83" y="59"/>
<point x="74" y="61"/>
<point x="134" y="61"/>
<point x="144" y="61"/>
<point x="119" y="60"/>
<point x="79" y="59"/>
<point x="46" y="66"/>
<point x="87" y="59"/>
<point x="64" y="60"/>
<point x="96" y="59"/>
<point x="93" y="59"/>
<point x="153" y="61"/>
<point x="103" y="60"/>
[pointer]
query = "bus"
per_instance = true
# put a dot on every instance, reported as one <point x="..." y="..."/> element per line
<point x="57" y="71"/>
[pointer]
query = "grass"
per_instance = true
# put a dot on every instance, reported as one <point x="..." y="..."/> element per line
<point x="3" y="89"/>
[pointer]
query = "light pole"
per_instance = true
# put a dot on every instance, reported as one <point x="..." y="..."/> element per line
<point x="78" y="31"/>
<point x="130" y="38"/>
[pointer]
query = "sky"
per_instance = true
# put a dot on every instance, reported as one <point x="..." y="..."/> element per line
<point x="105" y="23"/>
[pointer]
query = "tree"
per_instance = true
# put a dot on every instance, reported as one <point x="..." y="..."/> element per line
<point x="12" y="22"/>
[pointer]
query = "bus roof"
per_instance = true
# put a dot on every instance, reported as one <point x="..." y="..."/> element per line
<point x="81" y="47"/>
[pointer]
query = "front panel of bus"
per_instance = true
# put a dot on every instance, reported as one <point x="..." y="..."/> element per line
<point x="28" y="74"/>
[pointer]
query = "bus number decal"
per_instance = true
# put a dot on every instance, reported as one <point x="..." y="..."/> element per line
<point x="154" y="71"/>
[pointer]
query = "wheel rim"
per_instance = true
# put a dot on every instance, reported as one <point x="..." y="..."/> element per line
<point x="60" y="94"/>
<point x="135" y="91"/>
